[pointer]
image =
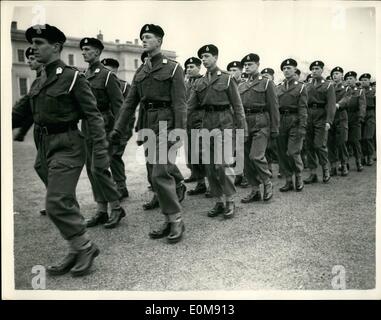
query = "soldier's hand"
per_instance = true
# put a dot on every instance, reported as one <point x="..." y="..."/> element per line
<point x="337" y="106"/>
<point x="327" y="126"/>
<point x="115" y="136"/>
<point x="101" y="159"/>
<point x="19" y="137"/>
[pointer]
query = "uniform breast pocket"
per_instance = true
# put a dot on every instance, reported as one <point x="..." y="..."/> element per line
<point x="99" y="92"/>
<point x="162" y="84"/>
<point x="58" y="102"/>
<point x="258" y="94"/>
<point x="289" y="98"/>
<point x="220" y="95"/>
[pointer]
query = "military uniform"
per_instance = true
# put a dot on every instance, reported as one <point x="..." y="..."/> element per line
<point x="262" y="116"/>
<point x="194" y="121"/>
<point x="369" y="126"/>
<point x="158" y="85"/>
<point x="355" y="102"/>
<point x="216" y="93"/>
<point x="106" y="89"/>
<point x="338" y="134"/>
<point x="321" y="110"/>
<point x="293" y="102"/>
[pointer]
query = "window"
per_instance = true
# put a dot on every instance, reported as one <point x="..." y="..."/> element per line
<point x="23" y="84"/>
<point x="20" y="54"/>
<point x="136" y="63"/>
<point x="71" y="59"/>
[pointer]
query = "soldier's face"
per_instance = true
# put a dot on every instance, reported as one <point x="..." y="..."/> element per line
<point x="193" y="70"/>
<point x="289" y="71"/>
<point x="251" y="67"/>
<point x="90" y="53"/>
<point x="150" y="42"/>
<point x="235" y="72"/>
<point x="337" y="76"/>
<point x="316" y="71"/>
<point x="268" y="76"/>
<point x="43" y="50"/>
<point x="365" y="82"/>
<point x="351" y="81"/>
<point x="208" y="60"/>
<point x="33" y="63"/>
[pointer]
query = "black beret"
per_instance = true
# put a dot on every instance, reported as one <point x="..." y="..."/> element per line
<point x="93" y="42"/>
<point x="143" y="56"/>
<point x="110" y="62"/>
<point x="251" y="57"/>
<point x="192" y="60"/>
<point x="29" y="52"/>
<point x="244" y="75"/>
<point x="366" y="76"/>
<point x="317" y="63"/>
<point x="45" y="31"/>
<point x="308" y="77"/>
<point x="268" y="70"/>
<point x="152" y="28"/>
<point x="234" y="64"/>
<point x="297" y="71"/>
<point x="208" y="48"/>
<point x="337" y="69"/>
<point x="350" y="74"/>
<point x="288" y="62"/>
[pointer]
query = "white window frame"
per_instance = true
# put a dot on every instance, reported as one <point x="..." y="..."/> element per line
<point x="19" y="87"/>
<point x="68" y="62"/>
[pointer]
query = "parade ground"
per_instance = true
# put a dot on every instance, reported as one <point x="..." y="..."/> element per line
<point x="296" y="241"/>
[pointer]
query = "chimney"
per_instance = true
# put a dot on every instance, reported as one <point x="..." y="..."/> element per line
<point x="136" y="41"/>
<point x="14" y="25"/>
<point x="100" y="35"/>
<point x="117" y="41"/>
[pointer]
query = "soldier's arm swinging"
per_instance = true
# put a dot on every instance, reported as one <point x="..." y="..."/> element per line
<point x="273" y="105"/>
<point x="236" y="102"/>
<point x="88" y="107"/>
<point x="331" y="104"/>
<point x="115" y="94"/>
<point x="362" y="105"/>
<point x="302" y="107"/>
<point x="178" y="99"/>
<point x="127" y="111"/>
<point x="21" y="112"/>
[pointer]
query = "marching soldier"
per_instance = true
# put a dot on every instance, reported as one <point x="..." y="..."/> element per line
<point x="57" y="100"/>
<point x="293" y="100"/>
<point x="268" y="73"/>
<point x="369" y="127"/>
<point x="36" y="66"/>
<point x="158" y="86"/>
<point x="271" y="151"/>
<point x="262" y="116"/>
<point x="321" y="112"/>
<point x="235" y="69"/>
<point x="217" y="94"/>
<point x="355" y="102"/>
<point x="106" y="89"/>
<point x="297" y="74"/>
<point x="192" y="68"/>
<point x="338" y="134"/>
<point x="117" y="165"/>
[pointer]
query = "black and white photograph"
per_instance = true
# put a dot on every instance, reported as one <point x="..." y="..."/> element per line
<point x="189" y="150"/>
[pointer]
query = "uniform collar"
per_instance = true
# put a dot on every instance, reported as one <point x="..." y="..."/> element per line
<point x="51" y="67"/>
<point x="156" y="58"/>
<point x="96" y="64"/>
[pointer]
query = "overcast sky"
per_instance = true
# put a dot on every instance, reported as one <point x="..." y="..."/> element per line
<point x="337" y="34"/>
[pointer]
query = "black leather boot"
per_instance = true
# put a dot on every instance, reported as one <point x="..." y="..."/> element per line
<point x="63" y="266"/>
<point x="311" y="179"/>
<point x="84" y="261"/>
<point x="98" y="218"/>
<point x="115" y="217"/>
<point x="176" y="232"/>
<point x="289" y="186"/>
<point x="153" y="204"/>
<point x="252" y="197"/>
<point x="161" y="232"/>
<point x="219" y="208"/>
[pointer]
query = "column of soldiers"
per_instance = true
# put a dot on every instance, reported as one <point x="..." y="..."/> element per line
<point x="327" y="118"/>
